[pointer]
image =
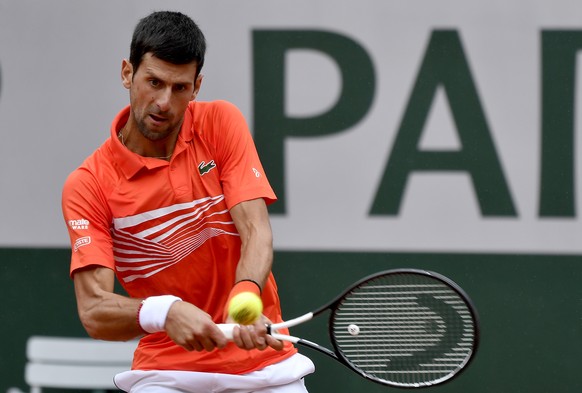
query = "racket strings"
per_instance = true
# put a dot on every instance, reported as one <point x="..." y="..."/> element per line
<point x="406" y="329"/>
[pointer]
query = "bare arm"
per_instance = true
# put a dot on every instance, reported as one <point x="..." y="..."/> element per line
<point x="251" y="219"/>
<point x="252" y="222"/>
<point x="105" y="314"/>
<point x="109" y="316"/>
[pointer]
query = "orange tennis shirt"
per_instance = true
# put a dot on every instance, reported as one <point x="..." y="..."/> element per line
<point x="165" y="228"/>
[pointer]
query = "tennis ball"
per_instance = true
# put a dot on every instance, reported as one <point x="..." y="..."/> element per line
<point x="245" y="308"/>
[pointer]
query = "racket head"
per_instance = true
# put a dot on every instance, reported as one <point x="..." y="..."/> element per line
<point x="405" y="328"/>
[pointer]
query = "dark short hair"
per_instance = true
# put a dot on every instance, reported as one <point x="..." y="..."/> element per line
<point x="169" y="36"/>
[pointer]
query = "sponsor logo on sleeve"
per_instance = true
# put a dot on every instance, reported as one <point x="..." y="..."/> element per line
<point x="82" y="241"/>
<point x="79" y="224"/>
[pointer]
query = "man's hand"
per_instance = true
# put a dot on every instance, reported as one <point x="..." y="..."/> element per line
<point x="255" y="336"/>
<point x="193" y="329"/>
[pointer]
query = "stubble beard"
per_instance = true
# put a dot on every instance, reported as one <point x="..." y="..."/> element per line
<point x="155" y="135"/>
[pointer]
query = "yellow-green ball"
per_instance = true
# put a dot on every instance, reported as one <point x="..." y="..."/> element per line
<point x="245" y="308"/>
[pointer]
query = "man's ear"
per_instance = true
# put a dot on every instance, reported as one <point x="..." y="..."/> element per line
<point x="126" y="73"/>
<point x="197" y="84"/>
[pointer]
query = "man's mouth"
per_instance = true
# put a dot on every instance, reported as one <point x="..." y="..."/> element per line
<point x="157" y="118"/>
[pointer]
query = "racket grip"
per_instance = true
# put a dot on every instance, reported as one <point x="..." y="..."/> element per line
<point x="227" y="329"/>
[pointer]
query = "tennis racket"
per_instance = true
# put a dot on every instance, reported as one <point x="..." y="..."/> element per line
<point x="403" y="328"/>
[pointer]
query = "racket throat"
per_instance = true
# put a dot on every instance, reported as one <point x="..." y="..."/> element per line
<point x="317" y="347"/>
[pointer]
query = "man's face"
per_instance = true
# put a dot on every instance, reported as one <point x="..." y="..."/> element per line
<point x="159" y="93"/>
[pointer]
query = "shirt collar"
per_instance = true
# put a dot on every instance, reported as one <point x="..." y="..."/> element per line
<point x="130" y="162"/>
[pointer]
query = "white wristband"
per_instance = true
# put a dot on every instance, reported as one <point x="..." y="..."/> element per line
<point x="153" y="312"/>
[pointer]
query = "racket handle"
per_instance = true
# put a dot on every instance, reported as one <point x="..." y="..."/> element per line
<point x="227" y="329"/>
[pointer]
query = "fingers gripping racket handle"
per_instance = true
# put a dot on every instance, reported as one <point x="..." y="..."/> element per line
<point x="228" y="330"/>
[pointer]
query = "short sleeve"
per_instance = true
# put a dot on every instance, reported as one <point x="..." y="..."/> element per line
<point x="88" y="221"/>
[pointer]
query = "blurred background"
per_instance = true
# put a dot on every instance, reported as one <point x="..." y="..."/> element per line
<point x="440" y="135"/>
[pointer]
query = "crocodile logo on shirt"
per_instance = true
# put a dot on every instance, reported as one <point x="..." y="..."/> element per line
<point x="204" y="168"/>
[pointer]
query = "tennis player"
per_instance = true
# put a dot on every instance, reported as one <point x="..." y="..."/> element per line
<point x="173" y="205"/>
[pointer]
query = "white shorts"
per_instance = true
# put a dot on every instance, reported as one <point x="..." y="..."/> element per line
<point x="283" y="377"/>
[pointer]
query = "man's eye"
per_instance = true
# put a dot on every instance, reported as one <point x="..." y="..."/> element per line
<point x="154" y="82"/>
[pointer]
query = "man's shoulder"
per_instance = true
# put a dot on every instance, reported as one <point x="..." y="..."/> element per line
<point x="203" y="109"/>
<point x="217" y="119"/>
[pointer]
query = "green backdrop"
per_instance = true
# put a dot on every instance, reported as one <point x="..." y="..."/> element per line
<point x="530" y="307"/>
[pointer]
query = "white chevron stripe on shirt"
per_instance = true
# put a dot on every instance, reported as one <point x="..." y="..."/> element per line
<point x="165" y="236"/>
